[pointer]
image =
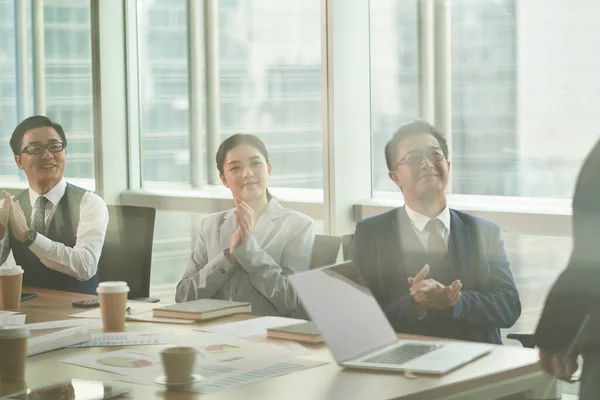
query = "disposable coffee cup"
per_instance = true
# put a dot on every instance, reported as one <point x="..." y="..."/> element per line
<point x="10" y="386"/>
<point x="113" y="302"/>
<point x="178" y="365"/>
<point x="11" y="281"/>
<point x="13" y="351"/>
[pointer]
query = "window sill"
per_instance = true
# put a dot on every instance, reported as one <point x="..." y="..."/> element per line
<point x="536" y="216"/>
<point x="213" y="198"/>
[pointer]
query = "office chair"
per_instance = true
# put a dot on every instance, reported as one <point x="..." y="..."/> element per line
<point x="127" y="251"/>
<point x="346" y="243"/>
<point x="325" y="250"/>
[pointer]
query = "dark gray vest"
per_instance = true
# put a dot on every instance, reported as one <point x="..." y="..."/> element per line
<point x="63" y="229"/>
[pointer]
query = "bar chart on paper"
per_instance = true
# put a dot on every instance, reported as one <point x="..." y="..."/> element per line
<point x="251" y="375"/>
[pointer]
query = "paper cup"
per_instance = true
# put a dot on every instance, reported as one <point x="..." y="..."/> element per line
<point x="13" y="350"/>
<point x="178" y="364"/>
<point x="113" y="302"/>
<point x="11" y="282"/>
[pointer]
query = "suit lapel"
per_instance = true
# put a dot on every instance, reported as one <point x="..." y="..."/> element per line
<point x="264" y="228"/>
<point x="459" y="248"/>
<point x="228" y="227"/>
<point x="392" y="271"/>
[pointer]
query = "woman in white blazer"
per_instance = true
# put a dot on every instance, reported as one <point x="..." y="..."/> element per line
<point x="246" y="253"/>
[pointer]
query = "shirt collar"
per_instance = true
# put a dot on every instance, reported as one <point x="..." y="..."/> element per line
<point x="54" y="195"/>
<point x="419" y="220"/>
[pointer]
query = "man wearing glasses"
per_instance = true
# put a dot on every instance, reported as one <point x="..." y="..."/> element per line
<point x="55" y="229"/>
<point x="435" y="271"/>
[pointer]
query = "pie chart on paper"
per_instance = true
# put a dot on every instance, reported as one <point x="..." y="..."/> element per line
<point x="124" y="362"/>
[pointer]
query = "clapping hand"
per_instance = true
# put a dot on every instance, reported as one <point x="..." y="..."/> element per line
<point x="429" y="293"/>
<point x="18" y="222"/>
<point x="245" y="220"/>
<point x="4" y="213"/>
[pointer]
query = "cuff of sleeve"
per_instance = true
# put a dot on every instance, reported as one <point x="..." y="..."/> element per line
<point x="457" y="311"/>
<point x="248" y="254"/>
<point x="41" y="246"/>
<point x="223" y="265"/>
<point x="401" y="308"/>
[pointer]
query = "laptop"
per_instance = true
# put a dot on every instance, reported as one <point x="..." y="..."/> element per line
<point x="358" y="333"/>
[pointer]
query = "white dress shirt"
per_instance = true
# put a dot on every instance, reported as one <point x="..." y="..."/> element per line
<point x="418" y="222"/>
<point x="80" y="261"/>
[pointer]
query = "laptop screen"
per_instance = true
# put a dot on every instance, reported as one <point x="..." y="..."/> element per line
<point x="343" y="309"/>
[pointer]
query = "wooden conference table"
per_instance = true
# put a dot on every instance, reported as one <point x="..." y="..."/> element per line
<point x="504" y="371"/>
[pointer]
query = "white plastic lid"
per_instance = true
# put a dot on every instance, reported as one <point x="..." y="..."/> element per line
<point x="12" y="270"/>
<point x="13" y="332"/>
<point x="112" y="287"/>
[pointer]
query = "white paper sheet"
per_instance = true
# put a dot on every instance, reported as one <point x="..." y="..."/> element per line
<point x="90" y="323"/>
<point x="212" y="345"/>
<point x="134" y="306"/>
<point x="12" y="319"/>
<point x="250" y="327"/>
<point x="2" y="312"/>
<point x="127" y="339"/>
<point x="235" y="371"/>
<point x="142" y="367"/>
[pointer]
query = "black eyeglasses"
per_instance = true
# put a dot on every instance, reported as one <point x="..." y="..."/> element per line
<point x="414" y="158"/>
<point x="36" y="149"/>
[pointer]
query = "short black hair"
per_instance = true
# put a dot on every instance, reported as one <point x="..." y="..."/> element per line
<point x="411" y="129"/>
<point x="37" y="121"/>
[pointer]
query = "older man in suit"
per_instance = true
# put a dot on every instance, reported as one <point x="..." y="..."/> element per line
<point x="570" y="322"/>
<point x="434" y="271"/>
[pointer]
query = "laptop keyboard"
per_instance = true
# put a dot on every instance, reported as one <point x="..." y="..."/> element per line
<point x="402" y="354"/>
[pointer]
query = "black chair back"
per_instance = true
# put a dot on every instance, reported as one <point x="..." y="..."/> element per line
<point x="346" y="243"/>
<point x="325" y="250"/>
<point x="127" y="251"/>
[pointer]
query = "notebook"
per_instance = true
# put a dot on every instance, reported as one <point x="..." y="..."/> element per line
<point x="43" y="340"/>
<point x="202" y="309"/>
<point x="305" y="332"/>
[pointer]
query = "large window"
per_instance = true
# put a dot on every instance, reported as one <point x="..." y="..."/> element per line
<point x="394" y="77"/>
<point x="66" y="78"/>
<point x="163" y="83"/>
<point x="269" y="71"/>
<point x="524" y="92"/>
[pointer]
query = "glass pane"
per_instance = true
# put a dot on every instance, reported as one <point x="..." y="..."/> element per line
<point x="68" y="81"/>
<point x="8" y="87"/>
<point x="536" y="262"/>
<point x="163" y="83"/>
<point x="394" y="77"/>
<point x="68" y="53"/>
<point x="525" y="95"/>
<point x="270" y="83"/>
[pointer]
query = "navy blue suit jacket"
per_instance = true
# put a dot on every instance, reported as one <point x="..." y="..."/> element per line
<point x="489" y="299"/>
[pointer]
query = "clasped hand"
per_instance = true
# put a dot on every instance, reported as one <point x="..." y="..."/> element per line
<point x="12" y="210"/>
<point x="244" y="216"/>
<point x="430" y="294"/>
<point x="561" y="364"/>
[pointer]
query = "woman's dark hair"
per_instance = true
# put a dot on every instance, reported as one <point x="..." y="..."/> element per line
<point x="237" y="140"/>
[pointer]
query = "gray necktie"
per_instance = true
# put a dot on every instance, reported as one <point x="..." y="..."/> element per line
<point x="436" y="246"/>
<point x="39" y="218"/>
